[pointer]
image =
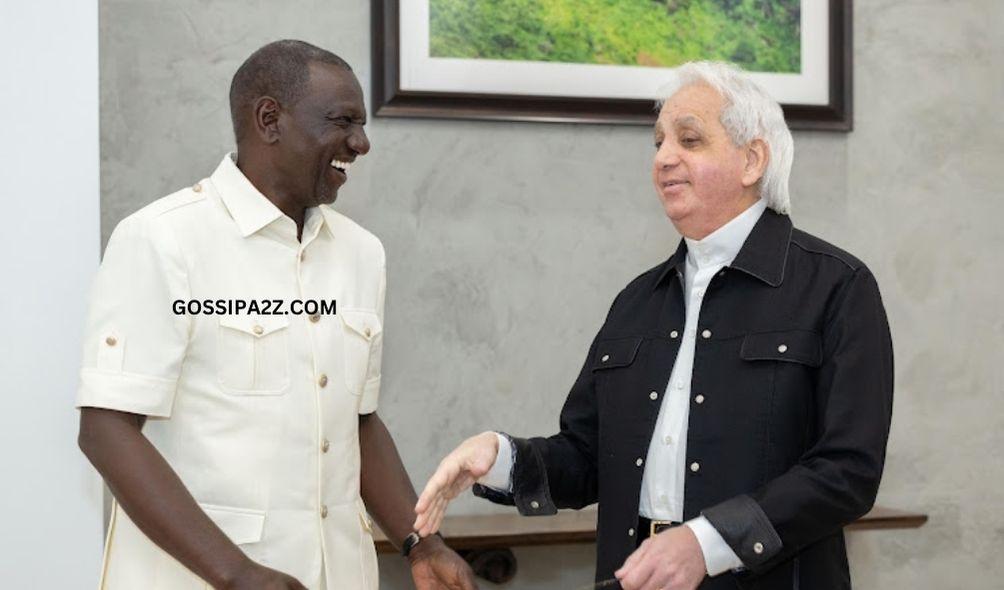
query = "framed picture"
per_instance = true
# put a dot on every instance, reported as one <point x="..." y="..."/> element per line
<point x="603" y="61"/>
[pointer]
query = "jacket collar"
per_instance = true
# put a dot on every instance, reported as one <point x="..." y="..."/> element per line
<point x="765" y="252"/>
<point x="762" y="256"/>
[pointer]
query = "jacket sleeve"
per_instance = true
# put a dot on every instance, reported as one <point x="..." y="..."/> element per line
<point x="559" y="471"/>
<point x="836" y="480"/>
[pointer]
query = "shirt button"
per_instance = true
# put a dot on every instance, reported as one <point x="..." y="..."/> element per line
<point x="110" y="341"/>
<point x="324" y="511"/>
<point x="667" y="439"/>
<point x="198" y="187"/>
<point x="695" y="467"/>
<point x="630" y="532"/>
<point x="674" y="334"/>
<point x="679" y="384"/>
<point x="322" y="380"/>
<point x="368" y="332"/>
<point x="325" y="446"/>
<point x="258" y="330"/>
<point x="758" y="548"/>
<point x="706" y="334"/>
<point x="535" y="504"/>
<point x="639" y="461"/>
<point x="315" y="318"/>
<point x="699" y="399"/>
<point x="605" y="358"/>
<point x="303" y="255"/>
<point x="783" y="348"/>
<point x="699" y="292"/>
<point x="653" y="396"/>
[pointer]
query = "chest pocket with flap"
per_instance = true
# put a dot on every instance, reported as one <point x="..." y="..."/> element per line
<point x="793" y="346"/>
<point x="615" y="353"/>
<point x="252" y="355"/>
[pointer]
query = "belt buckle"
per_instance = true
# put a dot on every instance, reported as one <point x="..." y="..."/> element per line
<point x="657" y="526"/>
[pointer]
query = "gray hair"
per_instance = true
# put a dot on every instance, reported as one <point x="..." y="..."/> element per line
<point x="749" y="113"/>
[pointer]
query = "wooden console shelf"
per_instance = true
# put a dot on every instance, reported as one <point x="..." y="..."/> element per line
<point x="570" y="526"/>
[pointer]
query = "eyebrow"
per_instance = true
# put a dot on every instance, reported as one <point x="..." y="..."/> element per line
<point x="349" y="113"/>
<point x="688" y="120"/>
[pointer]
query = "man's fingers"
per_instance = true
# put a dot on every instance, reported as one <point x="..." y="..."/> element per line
<point x="632" y="560"/>
<point x="426" y="498"/>
<point x="426" y="516"/>
<point x="424" y="522"/>
<point x="638" y="576"/>
<point x="437" y="514"/>
<point x="419" y="522"/>
<point x="455" y="474"/>
<point x="439" y="481"/>
<point x="441" y="512"/>
<point x="438" y="484"/>
<point x="431" y="524"/>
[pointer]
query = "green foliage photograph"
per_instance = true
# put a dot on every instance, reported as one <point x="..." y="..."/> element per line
<point x="758" y="35"/>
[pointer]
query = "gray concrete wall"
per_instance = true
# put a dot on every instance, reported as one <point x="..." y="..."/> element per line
<point x="507" y="242"/>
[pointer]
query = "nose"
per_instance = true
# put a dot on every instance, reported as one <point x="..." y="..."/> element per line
<point x="358" y="142"/>
<point x="667" y="156"/>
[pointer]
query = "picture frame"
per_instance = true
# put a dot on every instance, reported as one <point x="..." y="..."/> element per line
<point x="407" y="82"/>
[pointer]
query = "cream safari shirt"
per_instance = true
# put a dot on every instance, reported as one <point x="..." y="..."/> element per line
<point x="258" y="414"/>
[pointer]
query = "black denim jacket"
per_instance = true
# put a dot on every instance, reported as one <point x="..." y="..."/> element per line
<point x="794" y="367"/>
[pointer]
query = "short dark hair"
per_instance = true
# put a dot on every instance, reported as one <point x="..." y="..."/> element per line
<point x="280" y="70"/>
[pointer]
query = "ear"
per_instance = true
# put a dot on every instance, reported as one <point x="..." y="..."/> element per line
<point x="266" y="119"/>
<point x="757" y="155"/>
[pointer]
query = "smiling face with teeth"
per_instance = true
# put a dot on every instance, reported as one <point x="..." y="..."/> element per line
<point x="319" y="137"/>
<point x="703" y="179"/>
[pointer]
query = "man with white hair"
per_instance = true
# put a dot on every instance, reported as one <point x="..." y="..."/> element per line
<point x="742" y="388"/>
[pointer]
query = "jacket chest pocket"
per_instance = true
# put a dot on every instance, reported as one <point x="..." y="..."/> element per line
<point x="253" y="355"/>
<point x="801" y="347"/>
<point x="615" y="353"/>
<point x="614" y="367"/>
<point x="781" y="368"/>
<point x="360" y="347"/>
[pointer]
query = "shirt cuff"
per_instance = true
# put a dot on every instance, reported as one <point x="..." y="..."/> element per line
<point x="371" y="393"/>
<point x="499" y="477"/>
<point x="126" y="392"/>
<point x="718" y="556"/>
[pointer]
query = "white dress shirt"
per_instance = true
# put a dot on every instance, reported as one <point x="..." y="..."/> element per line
<point x="257" y="414"/>
<point x="662" y="485"/>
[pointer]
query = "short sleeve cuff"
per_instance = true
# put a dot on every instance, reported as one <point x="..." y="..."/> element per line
<point x="371" y="395"/>
<point x="125" y="392"/>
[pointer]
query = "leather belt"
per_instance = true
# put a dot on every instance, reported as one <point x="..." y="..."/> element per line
<point x="647" y="527"/>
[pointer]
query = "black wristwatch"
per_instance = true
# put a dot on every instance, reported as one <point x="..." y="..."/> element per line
<point x="410" y="541"/>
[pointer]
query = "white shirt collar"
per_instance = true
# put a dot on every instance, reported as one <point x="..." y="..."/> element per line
<point x="721" y="246"/>
<point x="250" y="209"/>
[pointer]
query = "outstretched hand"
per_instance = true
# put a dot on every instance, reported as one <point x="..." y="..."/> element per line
<point x="455" y="474"/>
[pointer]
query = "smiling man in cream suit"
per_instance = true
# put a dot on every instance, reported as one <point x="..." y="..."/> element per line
<point x="242" y="444"/>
